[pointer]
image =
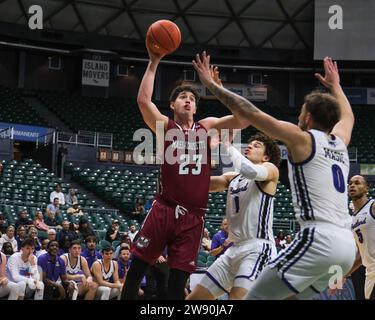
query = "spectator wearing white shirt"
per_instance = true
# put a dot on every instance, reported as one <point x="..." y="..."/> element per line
<point x="132" y="232"/>
<point x="13" y="290"/>
<point x="22" y="267"/>
<point x="57" y="194"/>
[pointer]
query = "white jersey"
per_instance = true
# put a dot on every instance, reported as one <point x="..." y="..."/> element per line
<point x="319" y="184"/>
<point x="249" y="211"/>
<point x="70" y="269"/>
<point x="363" y="227"/>
<point x="107" y="275"/>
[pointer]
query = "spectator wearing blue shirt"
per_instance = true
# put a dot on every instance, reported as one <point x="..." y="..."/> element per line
<point x="220" y="242"/>
<point x="53" y="269"/>
<point x="90" y="253"/>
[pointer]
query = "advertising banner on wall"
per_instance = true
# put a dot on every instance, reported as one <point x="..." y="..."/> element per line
<point x="253" y="93"/>
<point x="95" y="73"/>
<point x="25" y="132"/>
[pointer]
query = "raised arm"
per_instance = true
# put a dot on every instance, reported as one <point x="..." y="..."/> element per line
<point x="221" y="183"/>
<point x="150" y="112"/>
<point x="249" y="114"/>
<point x="343" y="129"/>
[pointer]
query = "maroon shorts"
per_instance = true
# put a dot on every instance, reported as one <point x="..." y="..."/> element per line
<point x="161" y="228"/>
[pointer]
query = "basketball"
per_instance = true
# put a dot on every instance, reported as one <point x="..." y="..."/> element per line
<point x="163" y="37"/>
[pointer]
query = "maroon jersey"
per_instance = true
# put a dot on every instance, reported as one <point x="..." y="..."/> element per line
<point x="185" y="172"/>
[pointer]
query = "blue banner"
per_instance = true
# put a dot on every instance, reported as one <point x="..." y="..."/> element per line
<point x="356" y="95"/>
<point x="25" y="132"/>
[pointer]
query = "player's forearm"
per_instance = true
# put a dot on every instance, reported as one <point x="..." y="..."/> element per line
<point x="147" y="85"/>
<point x="216" y="251"/>
<point x="239" y="106"/>
<point x="245" y="166"/>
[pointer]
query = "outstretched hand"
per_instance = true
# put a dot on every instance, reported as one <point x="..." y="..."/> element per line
<point x="153" y="56"/>
<point x="331" y="78"/>
<point x="215" y="75"/>
<point x="202" y="66"/>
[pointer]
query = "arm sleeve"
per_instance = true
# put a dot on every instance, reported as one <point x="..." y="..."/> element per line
<point x="246" y="167"/>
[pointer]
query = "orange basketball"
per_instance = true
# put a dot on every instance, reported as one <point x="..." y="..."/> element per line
<point x="163" y="37"/>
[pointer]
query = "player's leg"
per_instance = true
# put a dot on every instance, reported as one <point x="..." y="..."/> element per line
<point x="176" y="284"/>
<point x="269" y="286"/>
<point x="183" y="252"/>
<point x="289" y="273"/>
<point x="91" y="291"/>
<point x="250" y="260"/>
<point x="151" y="241"/>
<point x="103" y="293"/>
<point x="200" y="293"/>
<point x="217" y="280"/>
<point x="133" y="280"/>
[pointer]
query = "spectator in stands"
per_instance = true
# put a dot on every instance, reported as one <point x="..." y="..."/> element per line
<point x="53" y="214"/>
<point x="21" y="235"/>
<point x="220" y="242"/>
<point x="8" y="236"/>
<point x="84" y="229"/>
<point x="139" y="210"/>
<point x="113" y="232"/>
<point x="90" y="253"/>
<point x="43" y="248"/>
<point x="132" y="232"/>
<point x="78" y="271"/>
<point x="8" y="288"/>
<point x="280" y="240"/>
<point x="39" y="222"/>
<point x="75" y="210"/>
<point x="33" y="234"/>
<point x="3" y="224"/>
<point x="22" y="267"/>
<point x="105" y="273"/>
<point x="71" y="197"/>
<point x="206" y="241"/>
<point x="53" y="268"/>
<point x="7" y="249"/>
<point x="57" y="194"/>
<point x="23" y="220"/>
<point x="124" y="242"/>
<point x="123" y="263"/>
<point x="66" y="236"/>
<point x="288" y="240"/>
<point x="51" y="234"/>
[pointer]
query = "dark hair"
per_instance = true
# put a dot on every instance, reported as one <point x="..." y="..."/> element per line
<point x="55" y="199"/>
<point x="90" y="238"/>
<point x="324" y="109"/>
<point x="107" y="248"/>
<point x="271" y="148"/>
<point x="124" y="248"/>
<point x="49" y="243"/>
<point x="74" y="242"/>
<point x="176" y="91"/>
<point x="28" y="242"/>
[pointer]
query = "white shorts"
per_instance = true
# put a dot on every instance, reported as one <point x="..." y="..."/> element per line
<point x="317" y="257"/>
<point x="239" y="266"/>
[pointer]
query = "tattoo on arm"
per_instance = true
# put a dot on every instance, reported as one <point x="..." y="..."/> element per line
<point x="234" y="102"/>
